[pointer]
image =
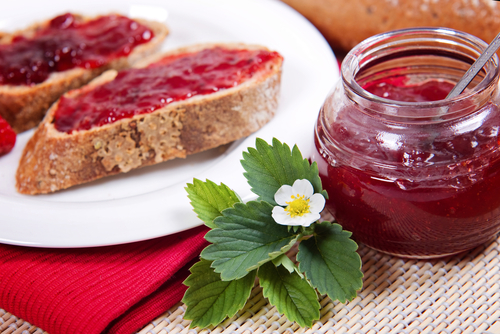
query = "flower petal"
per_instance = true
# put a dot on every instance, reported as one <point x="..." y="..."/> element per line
<point x="288" y="193"/>
<point x="317" y="203"/>
<point x="303" y="187"/>
<point x="283" y="195"/>
<point x="281" y="217"/>
<point x="306" y="219"/>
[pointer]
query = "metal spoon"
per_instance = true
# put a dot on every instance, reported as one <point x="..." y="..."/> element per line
<point x="475" y="68"/>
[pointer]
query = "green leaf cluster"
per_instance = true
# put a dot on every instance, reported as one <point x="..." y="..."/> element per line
<point x="246" y="243"/>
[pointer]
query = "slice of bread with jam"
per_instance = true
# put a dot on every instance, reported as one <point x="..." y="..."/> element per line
<point x="40" y="63"/>
<point x="168" y="106"/>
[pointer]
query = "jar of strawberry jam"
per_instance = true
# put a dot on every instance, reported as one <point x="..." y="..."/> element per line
<point x="408" y="171"/>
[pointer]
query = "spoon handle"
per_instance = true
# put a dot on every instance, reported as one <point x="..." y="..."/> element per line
<point x="475" y="68"/>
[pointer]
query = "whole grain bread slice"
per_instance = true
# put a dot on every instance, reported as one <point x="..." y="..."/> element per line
<point x="23" y="107"/>
<point x="54" y="160"/>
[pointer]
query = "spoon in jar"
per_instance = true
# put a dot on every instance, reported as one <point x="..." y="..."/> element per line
<point x="475" y="68"/>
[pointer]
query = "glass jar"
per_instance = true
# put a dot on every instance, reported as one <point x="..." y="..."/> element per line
<point x="408" y="171"/>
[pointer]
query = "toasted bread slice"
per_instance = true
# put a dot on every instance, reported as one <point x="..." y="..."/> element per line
<point x="54" y="160"/>
<point x="23" y="107"/>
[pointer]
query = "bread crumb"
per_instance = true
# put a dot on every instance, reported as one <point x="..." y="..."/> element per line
<point x="97" y="144"/>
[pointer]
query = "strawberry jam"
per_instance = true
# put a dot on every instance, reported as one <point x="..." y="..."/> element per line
<point x="66" y="43"/>
<point x="408" y="171"/>
<point x="398" y="89"/>
<point x="174" y="78"/>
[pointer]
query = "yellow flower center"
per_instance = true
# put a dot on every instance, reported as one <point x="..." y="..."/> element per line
<point x="298" y="206"/>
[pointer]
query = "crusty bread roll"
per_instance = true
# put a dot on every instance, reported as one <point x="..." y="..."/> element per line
<point x="345" y="23"/>
<point x="23" y="107"/>
<point x="54" y="160"/>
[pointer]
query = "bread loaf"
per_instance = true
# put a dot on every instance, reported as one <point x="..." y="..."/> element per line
<point x="54" y="160"/>
<point x="23" y="106"/>
<point x="346" y="23"/>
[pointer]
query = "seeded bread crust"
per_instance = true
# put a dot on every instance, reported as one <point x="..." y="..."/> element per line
<point x="23" y="107"/>
<point x="346" y="23"/>
<point x="53" y="160"/>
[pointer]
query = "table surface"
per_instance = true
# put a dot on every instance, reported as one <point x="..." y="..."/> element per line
<point x="458" y="294"/>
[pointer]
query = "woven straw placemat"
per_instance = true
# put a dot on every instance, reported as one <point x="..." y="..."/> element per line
<point x="458" y="294"/>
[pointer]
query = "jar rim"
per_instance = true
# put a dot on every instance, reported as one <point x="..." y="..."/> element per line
<point x="351" y="65"/>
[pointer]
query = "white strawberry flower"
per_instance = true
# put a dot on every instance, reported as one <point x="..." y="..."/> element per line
<point x="299" y="206"/>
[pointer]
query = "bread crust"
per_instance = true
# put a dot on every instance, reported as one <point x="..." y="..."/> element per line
<point x="53" y="160"/>
<point x="23" y="107"/>
<point x="346" y="23"/>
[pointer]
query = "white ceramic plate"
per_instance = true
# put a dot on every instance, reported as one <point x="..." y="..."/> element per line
<point x="152" y="202"/>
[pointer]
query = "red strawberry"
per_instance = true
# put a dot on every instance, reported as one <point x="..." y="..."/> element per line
<point x="7" y="137"/>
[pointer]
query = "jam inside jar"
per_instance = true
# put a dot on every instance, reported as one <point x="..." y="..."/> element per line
<point x="408" y="171"/>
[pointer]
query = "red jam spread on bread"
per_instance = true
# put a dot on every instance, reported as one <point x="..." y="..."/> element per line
<point x="444" y="200"/>
<point x="65" y="43"/>
<point x="173" y="78"/>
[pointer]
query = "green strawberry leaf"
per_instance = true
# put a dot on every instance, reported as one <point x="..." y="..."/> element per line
<point x="246" y="236"/>
<point x="330" y="261"/>
<point x="284" y="260"/>
<point x="269" y="167"/>
<point x="209" y="199"/>
<point x="209" y="300"/>
<point x="291" y="295"/>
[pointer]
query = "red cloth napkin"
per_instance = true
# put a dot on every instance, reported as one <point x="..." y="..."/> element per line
<point x="113" y="289"/>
